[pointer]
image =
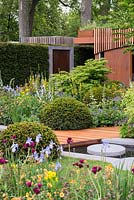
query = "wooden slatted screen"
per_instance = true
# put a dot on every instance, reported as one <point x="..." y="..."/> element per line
<point x="107" y="38"/>
<point x="54" y="40"/>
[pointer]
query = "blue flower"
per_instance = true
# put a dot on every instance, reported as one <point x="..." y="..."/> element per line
<point x="42" y="157"/>
<point x="58" y="166"/>
<point x="35" y="155"/>
<point x="38" y="138"/>
<point x="47" y="151"/>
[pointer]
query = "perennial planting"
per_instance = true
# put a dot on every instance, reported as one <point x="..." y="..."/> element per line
<point x="31" y="162"/>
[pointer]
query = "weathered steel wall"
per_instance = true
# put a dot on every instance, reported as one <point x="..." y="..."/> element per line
<point x="120" y="63"/>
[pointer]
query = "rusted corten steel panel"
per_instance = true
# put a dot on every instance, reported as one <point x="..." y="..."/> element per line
<point x="84" y="37"/>
<point x="120" y="64"/>
<point x="84" y="40"/>
<point x="106" y="39"/>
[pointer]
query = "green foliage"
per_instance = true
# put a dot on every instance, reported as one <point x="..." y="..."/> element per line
<point x="5" y="102"/>
<point x="93" y="72"/>
<point x="128" y="103"/>
<point x="109" y="90"/>
<point x="80" y="79"/>
<point x="71" y="180"/>
<point x="66" y="113"/>
<point x="22" y="131"/>
<point x="48" y="19"/>
<point x="19" y="60"/>
<point x="72" y="23"/>
<point x="9" y="20"/>
<point x="105" y="103"/>
<point x="127" y="129"/>
<point x="24" y="108"/>
<point x="107" y="112"/>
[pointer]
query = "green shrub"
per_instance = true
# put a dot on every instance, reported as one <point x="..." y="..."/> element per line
<point x="19" y="60"/>
<point x="107" y="112"/>
<point x="25" y="108"/>
<point x="79" y="80"/>
<point x="22" y="131"/>
<point x="66" y="113"/>
<point x="127" y="130"/>
<point x="5" y="104"/>
<point x="107" y="91"/>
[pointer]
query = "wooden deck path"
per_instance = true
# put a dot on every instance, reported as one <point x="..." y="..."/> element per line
<point x="87" y="136"/>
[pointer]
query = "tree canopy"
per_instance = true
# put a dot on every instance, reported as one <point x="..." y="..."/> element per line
<point x="48" y="17"/>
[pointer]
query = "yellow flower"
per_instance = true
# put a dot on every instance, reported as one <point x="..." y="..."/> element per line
<point x="50" y="175"/>
<point x="39" y="178"/>
<point x="22" y="176"/>
<point x="49" y="185"/>
<point x="16" y="198"/>
<point x="61" y="194"/>
<point x="77" y="171"/>
<point x="109" y="168"/>
<point x="14" y="166"/>
<point x="109" y="182"/>
<point x="72" y="181"/>
<point x="29" y="197"/>
<point x="49" y="195"/>
<point x="5" y="196"/>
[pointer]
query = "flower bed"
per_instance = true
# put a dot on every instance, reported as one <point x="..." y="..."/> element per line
<point x="65" y="179"/>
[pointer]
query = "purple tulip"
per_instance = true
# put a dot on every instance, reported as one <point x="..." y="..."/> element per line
<point x="13" y="137"/>
<point x="4" y="141"/>
<point x="40" y="185"/>
<point x="96" y="169"/>
<point x="69" y="140"/>
<point x="28" y="183"/>
<point x="3" y="161"/>
<point x="36" y="190"/>
<point x="32" y="144"/>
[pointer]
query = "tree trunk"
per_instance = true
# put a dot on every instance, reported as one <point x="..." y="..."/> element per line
<point x="26" y="17"/>
<point x="86" y="7"/>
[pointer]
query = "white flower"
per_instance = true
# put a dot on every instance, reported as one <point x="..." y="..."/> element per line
<point x="14" y="147"/>
<point x="51" y="144"/>
<point x="60" y="148"/>
<point x="29" y="140"/>
<point x="38" y="138"/>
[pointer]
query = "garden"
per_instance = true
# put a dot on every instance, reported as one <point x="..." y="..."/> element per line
<point x="31" y="162"/>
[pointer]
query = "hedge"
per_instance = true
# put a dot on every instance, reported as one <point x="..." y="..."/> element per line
<point x="20" y="60"/>
<point x="82" y="53"/>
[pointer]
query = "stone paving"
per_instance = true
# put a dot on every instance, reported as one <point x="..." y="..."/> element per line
<point x="128" y="143"/>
